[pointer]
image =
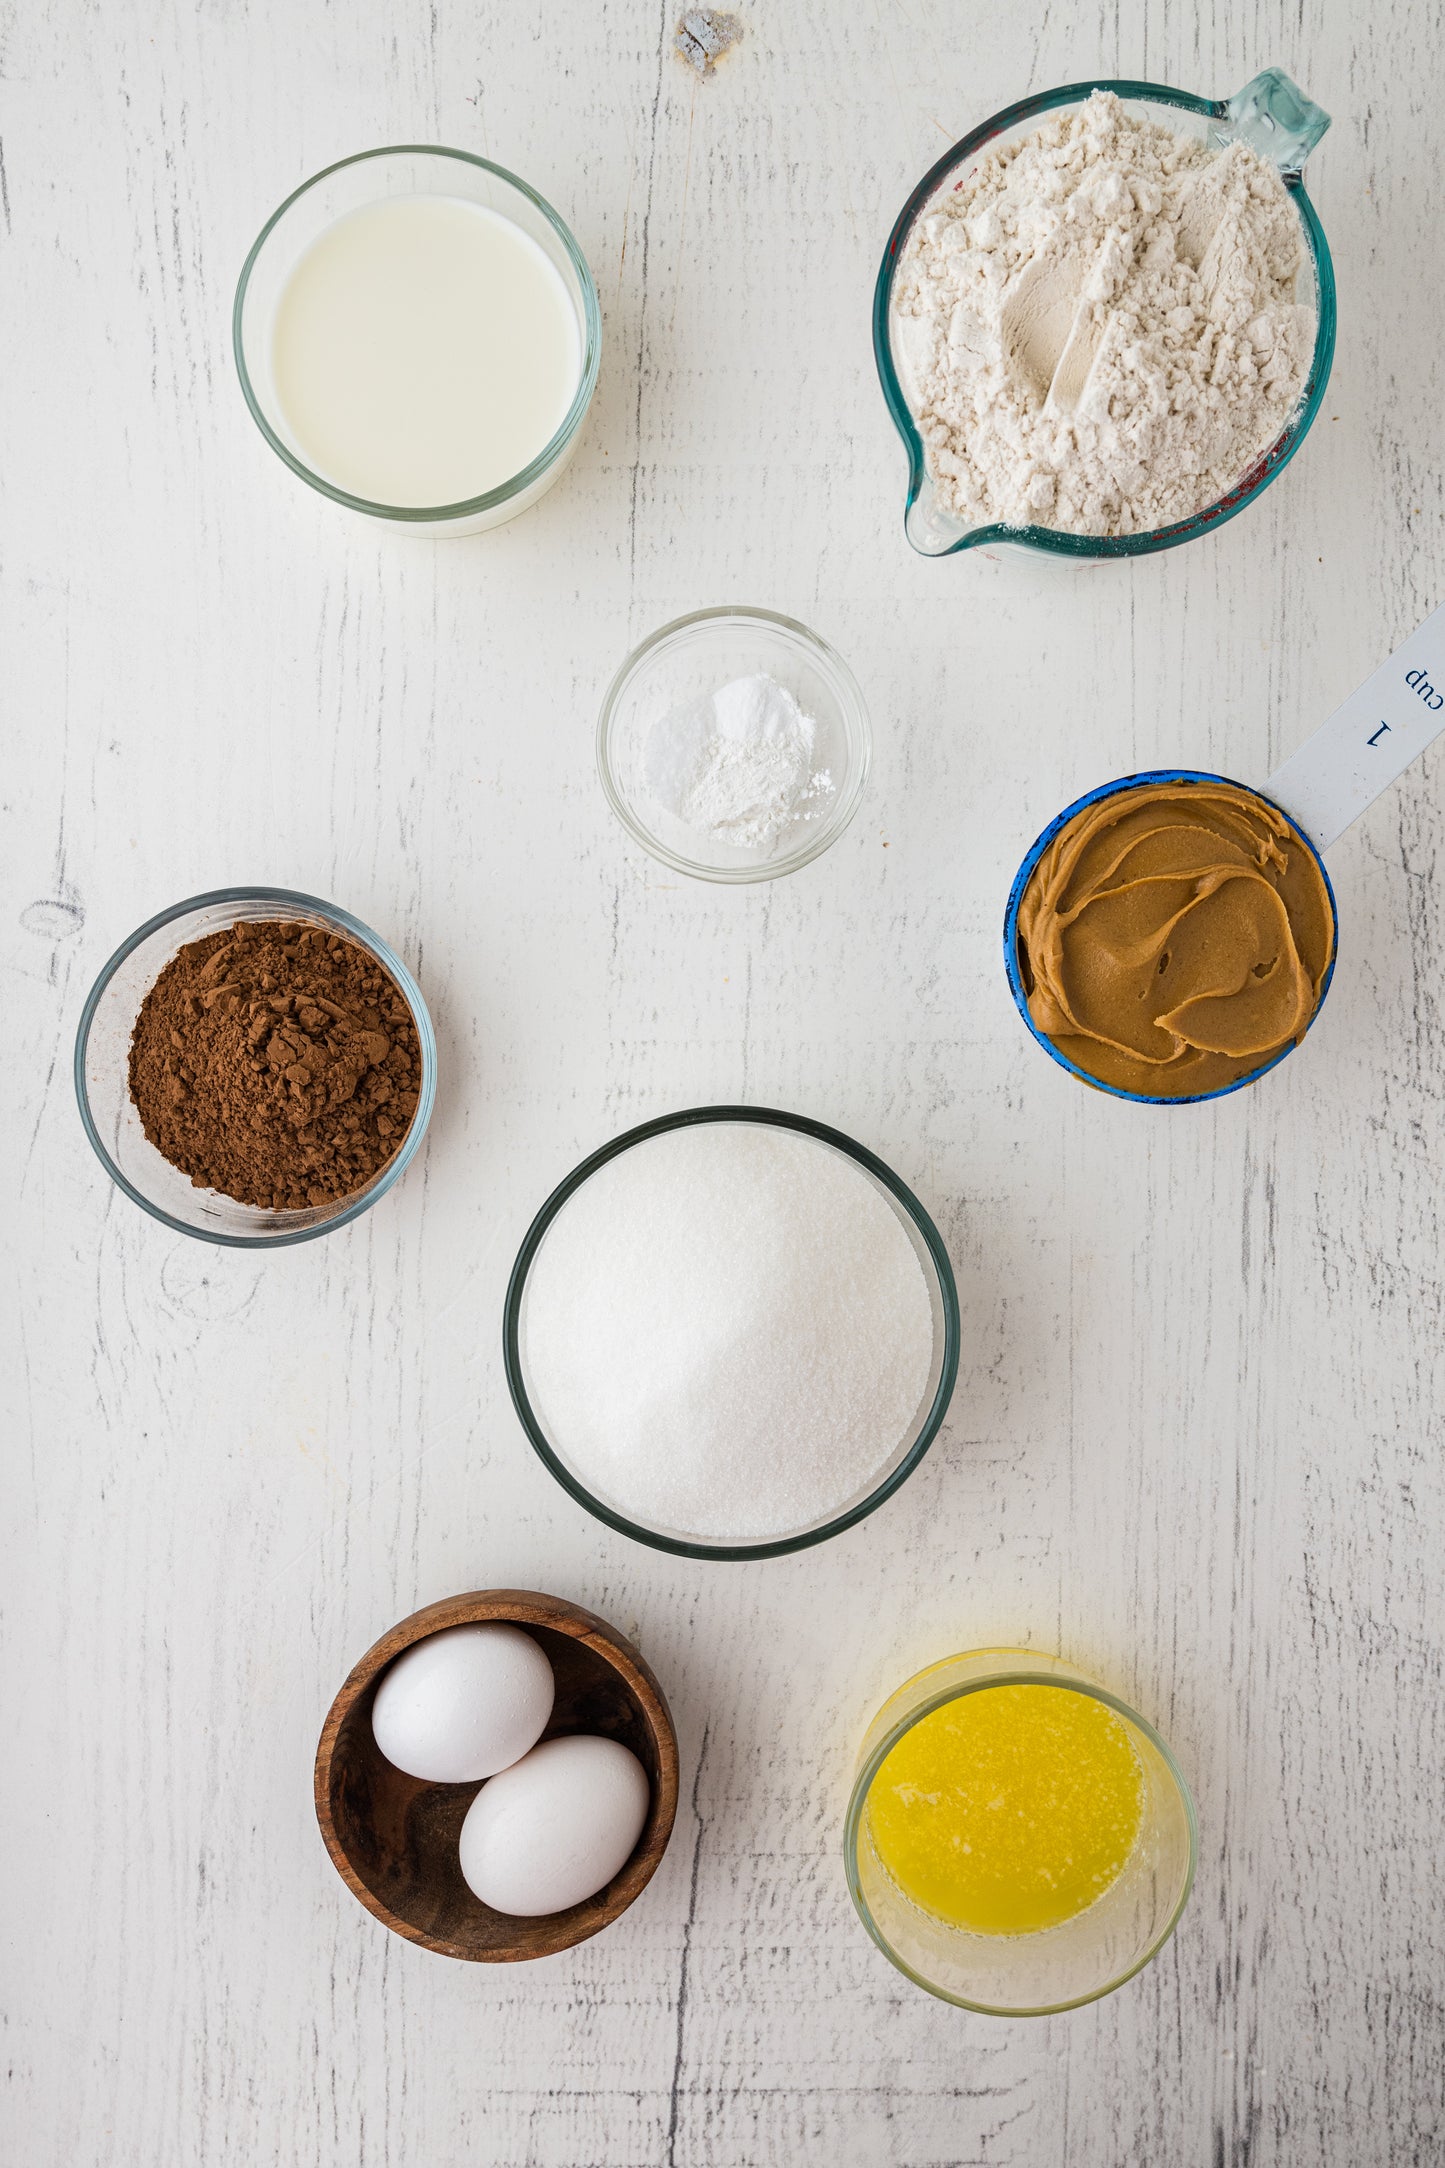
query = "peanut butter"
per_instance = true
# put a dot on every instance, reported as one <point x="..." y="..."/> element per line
<point x="1174" y="937"/>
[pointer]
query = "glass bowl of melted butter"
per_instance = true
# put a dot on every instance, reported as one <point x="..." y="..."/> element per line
<point x="1018" y="1841"/>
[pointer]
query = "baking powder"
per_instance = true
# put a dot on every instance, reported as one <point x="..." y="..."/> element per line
<point x="737" y="765"/>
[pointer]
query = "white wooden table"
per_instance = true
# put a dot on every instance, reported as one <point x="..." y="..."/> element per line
<point x="1196" y="1443"/>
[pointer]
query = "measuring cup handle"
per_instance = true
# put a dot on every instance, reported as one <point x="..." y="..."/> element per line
<point x="1369" y="740"/>
<point x="1274" y="117"/>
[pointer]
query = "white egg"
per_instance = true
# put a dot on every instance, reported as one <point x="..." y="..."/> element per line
<point x="556" y="1827"/>
<point x="464" y="1703"/>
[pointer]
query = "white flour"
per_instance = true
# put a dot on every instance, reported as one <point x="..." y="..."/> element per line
<point x="1097" y="331"/>
<point x="737" y="765"/>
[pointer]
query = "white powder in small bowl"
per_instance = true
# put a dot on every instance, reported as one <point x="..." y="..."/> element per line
<point x="727" y="1333"/>
<point x="736" y="766"/>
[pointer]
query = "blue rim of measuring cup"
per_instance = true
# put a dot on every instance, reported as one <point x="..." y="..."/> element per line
<point x="1052" y="540"/>
<point x="1011" y="932"/>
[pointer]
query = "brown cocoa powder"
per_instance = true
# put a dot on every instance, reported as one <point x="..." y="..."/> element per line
<point x="276" y="1063"/>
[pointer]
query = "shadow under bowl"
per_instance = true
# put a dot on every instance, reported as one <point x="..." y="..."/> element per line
<point x="102" y="1072"/>
<point x="393" y="1838"/>
<point x="1013" y="965"/>
<point x="928" y="1247"/>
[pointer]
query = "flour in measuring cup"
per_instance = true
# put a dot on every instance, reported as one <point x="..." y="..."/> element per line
<point x="736" y="766"/>
<point x="1098" y="330"/>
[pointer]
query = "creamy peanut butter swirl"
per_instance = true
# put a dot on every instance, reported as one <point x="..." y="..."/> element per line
<point x="1174" y="936"/>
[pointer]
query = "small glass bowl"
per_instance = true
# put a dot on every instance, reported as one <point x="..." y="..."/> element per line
<point x="937" y="1271"/>
<point x="1276" y="119"/>
<point x="102" y="1082"/>
<point x="408" y="169"/>
<point x="695" y="656"/>
<point x="1057" y="1968"/>
<point x="1014" y="971"/>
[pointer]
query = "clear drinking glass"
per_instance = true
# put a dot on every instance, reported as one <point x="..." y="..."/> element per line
<point x="1028" y="1975"/>
<point x="102" y="1079"/>
<point x="1013" y="964"/>
<point x="1278" y="121"/>
<point x="943" y="1371"/>
<point x="408" y="169"/>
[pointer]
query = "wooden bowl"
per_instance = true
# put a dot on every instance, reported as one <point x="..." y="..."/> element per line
<point x="393" y="1838"/>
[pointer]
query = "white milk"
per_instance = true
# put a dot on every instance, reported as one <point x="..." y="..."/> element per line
<point x="425" y="350"/>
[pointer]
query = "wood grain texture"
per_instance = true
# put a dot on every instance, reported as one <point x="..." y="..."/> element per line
<point x="1196" y="1444"/>
<point x="393" y="1838"/>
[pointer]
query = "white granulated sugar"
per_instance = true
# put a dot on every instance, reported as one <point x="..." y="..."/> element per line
<point x="1098" y="329"/>
<point x="727" y="1333"/>
<point x="737" y="765"/>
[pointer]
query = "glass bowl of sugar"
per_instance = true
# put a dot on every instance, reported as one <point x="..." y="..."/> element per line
<point x="732" y="1333"/>
<point x="418" y="337"/>
<point x="734" y="745"/>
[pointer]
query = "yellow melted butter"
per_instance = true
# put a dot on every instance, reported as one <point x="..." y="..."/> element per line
<point x="1008" y="1810"/>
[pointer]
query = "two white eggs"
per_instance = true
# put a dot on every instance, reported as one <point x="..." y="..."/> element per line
<point x="553" y="1823"/>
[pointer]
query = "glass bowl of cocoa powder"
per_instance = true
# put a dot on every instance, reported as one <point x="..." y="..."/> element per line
<point x="255" y="1067"/>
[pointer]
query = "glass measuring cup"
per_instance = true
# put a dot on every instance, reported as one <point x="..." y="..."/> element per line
<point x="1369" y="740"/>
<point x="1271" y="115"/>
<point x="1053" y="1968"/>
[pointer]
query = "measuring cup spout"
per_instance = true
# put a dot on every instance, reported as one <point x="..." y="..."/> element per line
<point x="932" y="531"/>
<point x="1274" y="117"/>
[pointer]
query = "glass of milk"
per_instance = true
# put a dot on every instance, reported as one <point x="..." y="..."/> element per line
<point x="418" y="336"/>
